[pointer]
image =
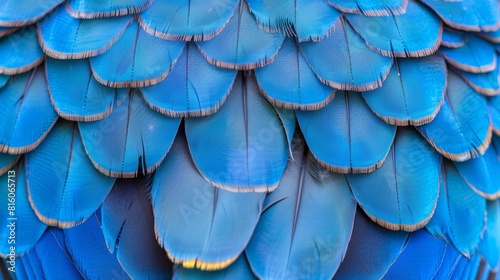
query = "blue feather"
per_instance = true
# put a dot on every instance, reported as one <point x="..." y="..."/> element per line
<point x="460" y="213"/>
<point x="105" y="8"/>
<point x="301" y="89"/>
<point x="32" y="11"/>
<point x="367" y="69"/>
<point x="412" y="93"/>
<point x="383" y="245"/>
<point x="403" y="193"/>
<point x="27" y="114"/>
<point x="340" y="135"/>
<point x="461" y="129"/>
<point x="248" y="145"/>
<point x="87" y="247"/>
<point x="450" y="262"/>
<point x="306" y="19"/>
<point x="494" y="113"/>
<point x="3" y="80"/>
<point x="20" y="52"/>
<point x="132" y="140"/>
<point x="7" y="161"/>
<point x="240" y="270"/>
<point x="236" y="48"/>
<point x="452" y="38"/>
<point x="129" y="63"/>
<point x="79" y="97"/>
<point x="489" y="247"/>
<point x="197" y="20"/>
<point x="467" y="15"/>
<point x="485" y="83"/>
<point x="468" y="59"/>
<point x="27" y="228"/>
<point x="492" y="36"/>
<point x="64" y="37"/>
<point x="371" y="8"/>
<point x="194" y="87"/>
<point x="399" y="37"/>
<point x="4" y="31"/>
<point x="65" y="189"/>
<point x="306" y="223"/>
<point x="198" y="224"/>
<point x="127" y="218"/>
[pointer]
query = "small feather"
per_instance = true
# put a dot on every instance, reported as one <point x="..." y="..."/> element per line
<point x="485" y="83"/>
<point x="453" y="38"/>
<point x="468" y="59"/>
<point x="366" y="68"/>
<point x="412" y="93"/>
<point x="107" y="8"/>
<point x="340" y="135"/>
<point x="64" y="188"/>
<point x="193" y="88"/>
<point x="32" y="11"/>
<point x="240" y="270"/>
<point x="20" y="52"/>
<point x="371" y="8"/>
<point x="64" y="37"/>
<point x="301" y="89"/>
<point x="27" y="115"/>
<point x="236" y="48"/>
<point x="489" y="247"/>
<point x="7" y="161"/>
<point x="129" y="63"/>
<point x="450" y="262"/>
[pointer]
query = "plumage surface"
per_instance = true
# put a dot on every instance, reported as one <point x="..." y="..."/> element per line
<point x="33" y="10"/>
<point x="370" y="8"/>
<point x="489" y="246"/>
<point x="452" y="38"/>
<point x="20" y="52"/>
<point x="240" y="269"/>
<point x="94" y="8"/>
<point x="6" y="162"/>
<point x="484" y="83"/>
<point x="467" y="59"/>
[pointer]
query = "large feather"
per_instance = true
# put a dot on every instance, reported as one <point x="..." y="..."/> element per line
<point x="129" y="63"/>
<point x="240" y="270"/>
<point x="105" y="8"/>
<point x="64" y="37"/>
<point x="301" y="89"/>
<point x="306" y="224"/>
<point x="340" y="134"/>
<point x="398" y="37"/>
<point x="64" y="187"/>
<point x="364" y="68"/>
<point x="194" y="87"/>
<point x="371" y="8"/>
<point x="7" y="161"/>
<point x="27" y="228"/>
<point x="460" y="212"/>
<point x="198" y="224"/>
<point x="489" y="247"/>
<point x="452" y="38"/>
<point x="27" y="115"/>
<point x="79" y="97"/>
<point x="128" y="227"/>
<point x="468" y="59"/>
<point x="133" y="140"/>
<point x="248" y="145"/>
<point x="412" y="93"/>
<point x="306" y="19"/>
<point x="197" y="20"/>
<point x="32" y="11"/>
<point x="20" y="52"/>
<point x="236" y="48"/>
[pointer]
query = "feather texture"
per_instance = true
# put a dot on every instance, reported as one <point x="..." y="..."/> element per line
<point x="20" y="52"/>
<point x="489" y="247"/>
<point x="3" y="80"/>
<point x="485" y="83"/>
<point x="450" y="262"/>
<point x="7" y="161"/>
<point x="371" y="8"/>
<point x="240" y="269"/>
<point x="107" y="8"/>
<point x="468" y="59"/>
<point x="452" y="38"/>
<point x="32" y="10"/>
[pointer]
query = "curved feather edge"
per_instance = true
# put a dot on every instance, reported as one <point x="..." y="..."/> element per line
<point x="468" y="59"/>
<point x="20" y="52"/>
<point x="32" y="12"/>
<point x="453" y="38"/>
<point x="240" y="269"/>
<point x="487" y="84"/>
<point x="383" y="11"/>
<point x="76" y="11"/>
<point x="7" y="161"/>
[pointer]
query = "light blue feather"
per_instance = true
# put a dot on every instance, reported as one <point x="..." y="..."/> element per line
<point x="27" y="114"/>
<point x="240" y="270"/>
<point x="64" y="37"/>
<point x="492" y="36"/>
<point x="131" y="141"/>
<point x="301" y="89"/>
<point x="193" y="87"/>
<point x="420" y="259"/>
<point x="20" y="52"/>
<point x="341" y="134"/>
<point x="7" y="161"/>
<point x="485" y="83"/>
<point x="494" y="113"/>
<point x="461" y="128"/>
<point x="403" y="193"/>
<point x="197" y="222"/>
<point x="412" y="93"/>
<point x="398" y="37"/>
<point x="87" y="247"/>
<point x="29" y="266"/>
<point x="65" y="189"/>
<point x="105" y="8"/>
<point x="468" y="59"/>
<point x="28" y="228"/>
<point x="306" y="223"/>
<point x="127" y="218"/>
<point x="248" y="144"/>
<point x="453" y="38"/>
<point x="467" y="15"/>
<point x="308" y="20"/>
<point x="32" y="11"/>
<point x="3" y="80"/>
<point x="450" y="262"/>
<point x="366" y="68"/>
<point x="371" y="250"/>
<point x="197" y="20"/>
<point x="236" y="47"/>
<point x="79" y="97"/>
<point x="130" y="63"/>
<point x="489" y="247"/>
<point x="460" y="213"/>
<point x="370" y="8"/>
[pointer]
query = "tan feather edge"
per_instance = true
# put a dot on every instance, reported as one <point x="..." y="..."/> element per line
<point x="483" y="91"/>
<point x="21" y="150"/>
<point x="467" y="68"/>
<point x="8" y="31"/>
<point x="119" y="12"/>
<point x="20" y="23"/>
<point x="10" y="165"/>
<point x="374" y="13"/>
<point x="22" y="69"/>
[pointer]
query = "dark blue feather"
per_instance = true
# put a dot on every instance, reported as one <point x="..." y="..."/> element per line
<point x="240" y="270"/>
<point x="132" y="140"/>
<point x="494" y="113"/>
<point x="452" y="38"/>
<point x="4" y="31"/>
<point x="468" y="59"/>
<point x="194" y="87"/>
<point x="485" y="83"/>
<point x="3" y="80"/>
<point x="129" y="63"/>
<point x="105" y="8"/>
<point x="20" y="52"/>
<point x="32" y="11"/>
<point x="450" y="262"/>
<point x="65" y="189"/>
<point x="489" y="247"/>
<point x="370" y="8"/>
<point x="7" y="161"/>
<point x="340" y="134"/>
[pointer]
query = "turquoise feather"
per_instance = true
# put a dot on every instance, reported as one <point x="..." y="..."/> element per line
<point x="32" y="11"/>
<point x="452" y="38"/>
<point x="370" y="8"/>
<point x="467" y="59"/>
<point x="107" y="8"/>
<point x="20" y="52"/>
